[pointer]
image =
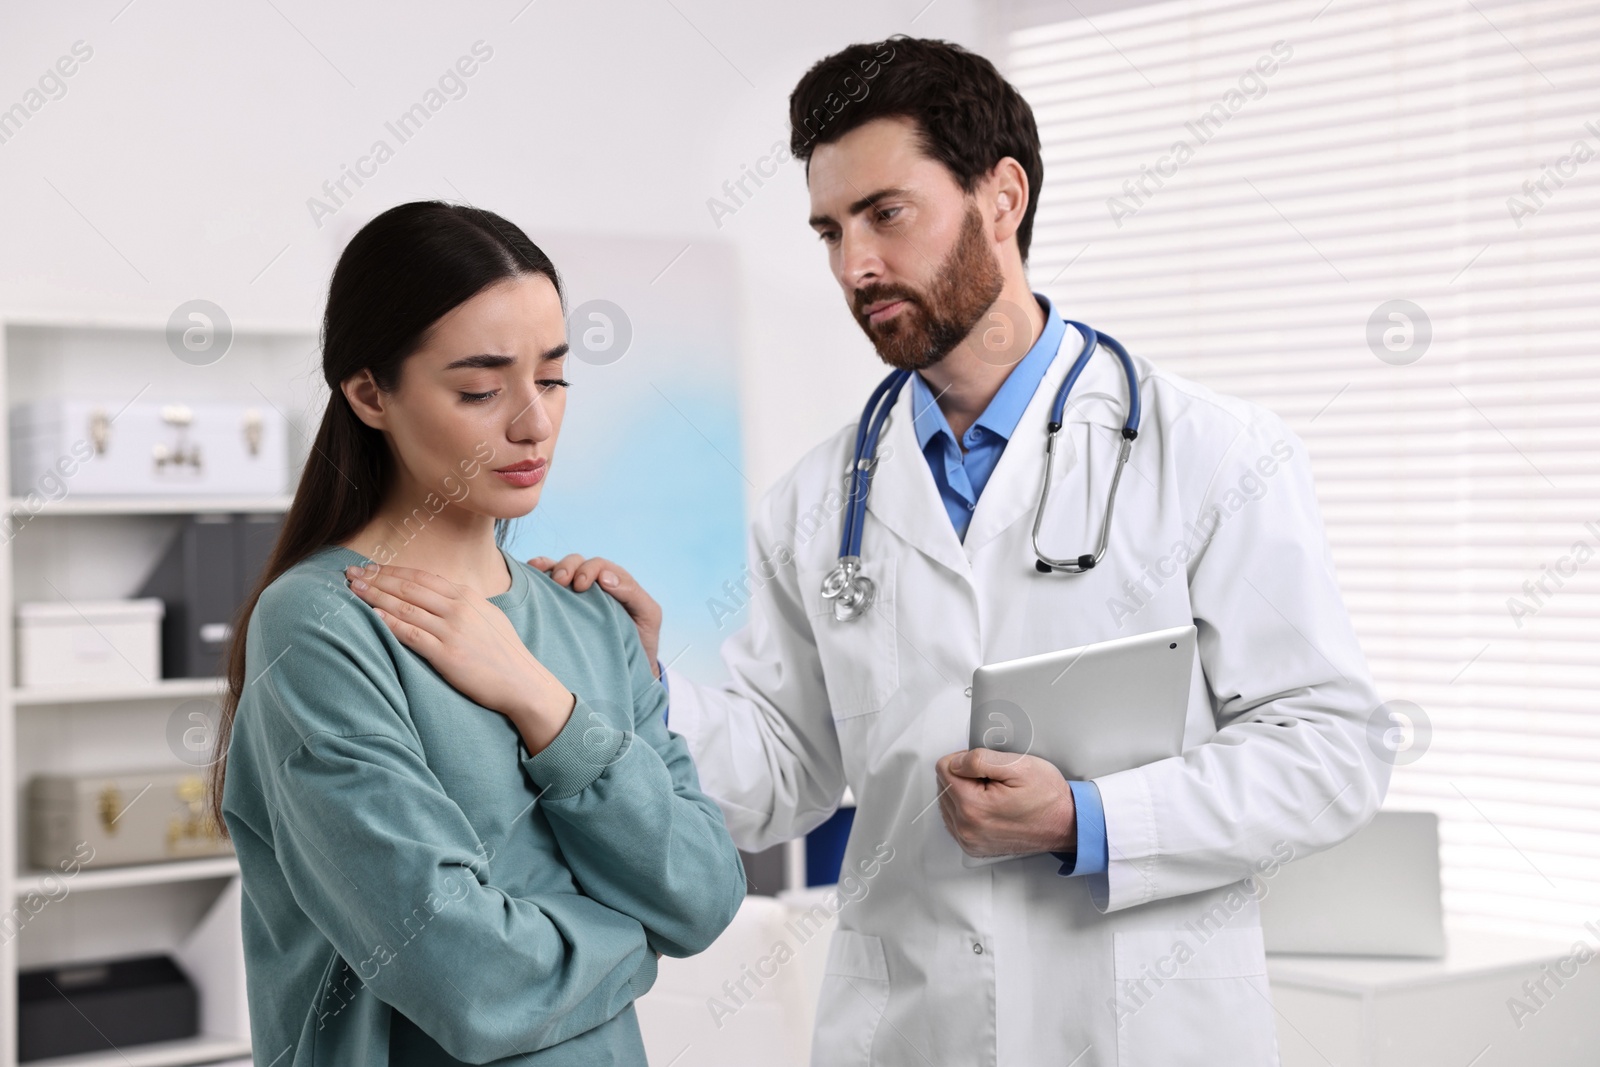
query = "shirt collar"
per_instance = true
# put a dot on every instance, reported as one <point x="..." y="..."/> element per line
<point x="1006" y="408"/>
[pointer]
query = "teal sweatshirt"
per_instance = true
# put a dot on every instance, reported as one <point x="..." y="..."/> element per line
<point x="418" y="889"/>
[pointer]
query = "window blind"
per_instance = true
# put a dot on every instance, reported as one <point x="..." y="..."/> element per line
<point x="1380" y="220"/>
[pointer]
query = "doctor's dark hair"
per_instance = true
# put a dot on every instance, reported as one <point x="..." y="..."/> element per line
<point x="400" y="274"/>
<point x="968" y="117"/>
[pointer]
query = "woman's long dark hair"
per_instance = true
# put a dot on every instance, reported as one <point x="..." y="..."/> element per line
<point x="398" y="276"/>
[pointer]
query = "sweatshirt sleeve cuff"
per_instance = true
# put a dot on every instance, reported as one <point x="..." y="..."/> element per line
<point x="661" y="673"/>
<point x="584" y="748"/>
<point x="645" y="976"/>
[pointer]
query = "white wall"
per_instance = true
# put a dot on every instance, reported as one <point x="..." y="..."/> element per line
<point x="179" y="161"/>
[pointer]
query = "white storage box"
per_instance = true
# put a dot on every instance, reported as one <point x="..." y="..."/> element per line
<point x="63" y="447"/>
<point x="89" y="642"/>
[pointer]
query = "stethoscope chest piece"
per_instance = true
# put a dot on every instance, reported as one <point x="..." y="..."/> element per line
<point x="850" y="591"/>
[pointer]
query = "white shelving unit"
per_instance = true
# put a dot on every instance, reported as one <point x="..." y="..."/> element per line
<point x="166" y="689"/>
<point x="88" y="880"/>
<point x="102" y="548"/>
<point x="156" y="505"/>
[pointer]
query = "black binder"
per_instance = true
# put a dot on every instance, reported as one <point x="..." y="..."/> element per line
<point x="203" y="578"/>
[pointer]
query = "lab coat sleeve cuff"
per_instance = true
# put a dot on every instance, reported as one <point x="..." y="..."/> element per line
<point x="686" y="714"/>
<point x="1132" y="840"/>
<point x="584" y="748"/>
<point x="1090" y="858"/>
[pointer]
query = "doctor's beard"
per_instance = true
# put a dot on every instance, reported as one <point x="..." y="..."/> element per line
<point x="966" y="286"/>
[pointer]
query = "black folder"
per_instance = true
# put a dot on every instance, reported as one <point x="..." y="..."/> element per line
<point x="208" y="570"/>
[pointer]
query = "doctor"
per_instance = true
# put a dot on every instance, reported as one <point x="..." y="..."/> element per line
<point x="1122" y="928"/>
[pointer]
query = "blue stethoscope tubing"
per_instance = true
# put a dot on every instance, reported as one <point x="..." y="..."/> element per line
<point x="851" y="592"/>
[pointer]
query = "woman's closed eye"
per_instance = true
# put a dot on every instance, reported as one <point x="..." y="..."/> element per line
<point x="543" y="383"/>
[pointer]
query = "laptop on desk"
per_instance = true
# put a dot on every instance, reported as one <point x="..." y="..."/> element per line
<point x="1374" y="894"/>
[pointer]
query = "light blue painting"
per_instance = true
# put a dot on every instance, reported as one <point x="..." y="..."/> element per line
<point x="648" y="471"/>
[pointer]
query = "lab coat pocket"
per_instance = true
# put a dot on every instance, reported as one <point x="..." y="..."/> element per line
<point x="860" y="657"/>
<point x="852" y="1000"/>
<point x="1182" y="1000"/>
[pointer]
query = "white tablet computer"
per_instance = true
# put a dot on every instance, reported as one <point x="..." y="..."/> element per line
<point x="1091" y="710"/>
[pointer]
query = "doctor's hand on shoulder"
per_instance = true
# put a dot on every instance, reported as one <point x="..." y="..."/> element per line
<point x="578" y="574"/>
<point x="1003" y="804"/>
<point x="471" y="643"/>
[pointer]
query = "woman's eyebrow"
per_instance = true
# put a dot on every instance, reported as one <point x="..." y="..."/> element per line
<point x="490" y="361"/>
<point x="480" y="362"/>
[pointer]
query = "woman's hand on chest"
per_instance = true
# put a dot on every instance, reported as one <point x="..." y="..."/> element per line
<point x="472" y="645"/>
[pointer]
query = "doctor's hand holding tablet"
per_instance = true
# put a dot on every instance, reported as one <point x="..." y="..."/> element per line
<point x="1052" y="612"/>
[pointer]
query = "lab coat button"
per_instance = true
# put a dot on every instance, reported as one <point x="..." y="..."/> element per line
<point x="977" y="948"/>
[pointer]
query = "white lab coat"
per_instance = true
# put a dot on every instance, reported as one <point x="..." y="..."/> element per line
<point x="1158" y="962"/>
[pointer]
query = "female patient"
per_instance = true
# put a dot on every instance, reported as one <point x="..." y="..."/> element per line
<point x="464" y="832"/>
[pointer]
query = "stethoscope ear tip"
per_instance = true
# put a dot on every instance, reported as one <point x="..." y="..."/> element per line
<point x="1042" y="567"/>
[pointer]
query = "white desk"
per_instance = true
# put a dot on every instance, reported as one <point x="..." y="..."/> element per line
<point x="1370" y="1012"/>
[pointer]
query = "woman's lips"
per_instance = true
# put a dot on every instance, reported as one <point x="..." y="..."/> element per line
<point x="527" y="476"/>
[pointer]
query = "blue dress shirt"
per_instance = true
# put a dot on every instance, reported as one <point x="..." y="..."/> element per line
<point x="961" y="476"/>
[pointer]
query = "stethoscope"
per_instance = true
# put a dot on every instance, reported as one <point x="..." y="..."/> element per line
<point x="851" y="592"/>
